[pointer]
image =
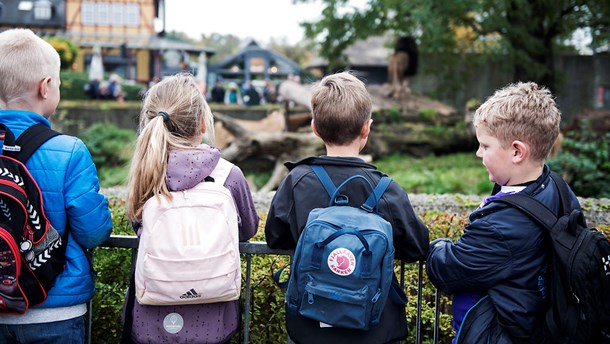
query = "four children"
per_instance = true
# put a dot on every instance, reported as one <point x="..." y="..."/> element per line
<point x="500" y="258"/>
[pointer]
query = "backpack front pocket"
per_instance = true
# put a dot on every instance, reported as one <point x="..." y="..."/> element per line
<point x="335" y="306"/>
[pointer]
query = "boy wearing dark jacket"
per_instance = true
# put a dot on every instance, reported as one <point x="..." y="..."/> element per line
<point x="341" y="109"/>
<point x="498" y="264"/>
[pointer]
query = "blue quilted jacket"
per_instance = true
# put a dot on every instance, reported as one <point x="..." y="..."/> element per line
<point x="67" y="177"/>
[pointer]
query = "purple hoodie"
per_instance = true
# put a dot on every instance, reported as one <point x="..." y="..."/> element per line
<point x="213" y="322"/>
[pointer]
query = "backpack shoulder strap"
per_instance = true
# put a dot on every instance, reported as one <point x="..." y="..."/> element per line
<point x="375" y="196"/>
<point x="532" y="207"/>
<point x="221" y="171"/>
<point x="564" y="193"/>
<point x="32" y="138"/>
<point x="324" y="179"/>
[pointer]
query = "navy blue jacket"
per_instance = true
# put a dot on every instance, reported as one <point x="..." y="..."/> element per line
<point x="300" y="192"/>
<point x="501" y="254"/>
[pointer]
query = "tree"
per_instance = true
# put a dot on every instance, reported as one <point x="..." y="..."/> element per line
<point x="67" y="50"/>
<point x="528" y="31"/>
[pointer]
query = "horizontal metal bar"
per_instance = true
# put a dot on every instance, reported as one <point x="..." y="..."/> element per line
<point x="248" y="247"/>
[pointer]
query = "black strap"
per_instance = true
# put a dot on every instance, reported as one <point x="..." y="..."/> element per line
<point x="129" y="302"/>
<point x="564" y="193"/>
<point x="32" y="138"/>
<point x="532" y="207"/>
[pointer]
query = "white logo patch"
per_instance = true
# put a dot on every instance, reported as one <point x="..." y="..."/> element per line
<point x="341" y="261"/>
<point x="173" y="323"/>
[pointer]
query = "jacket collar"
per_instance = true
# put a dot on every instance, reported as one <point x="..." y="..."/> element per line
<point x="330" y="161"/>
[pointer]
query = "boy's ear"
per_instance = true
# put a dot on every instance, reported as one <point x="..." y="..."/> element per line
<point x="313" y="128"/>
<point x="521" y="151"/>
<point x="43" y="87"/>
<point x="366" y="129"/>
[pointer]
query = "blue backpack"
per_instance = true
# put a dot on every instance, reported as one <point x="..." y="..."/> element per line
<point x="343" y="265"/>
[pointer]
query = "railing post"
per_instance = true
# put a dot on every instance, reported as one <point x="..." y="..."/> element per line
<point x="247" y="302"/>
<point x="420" y="282"/>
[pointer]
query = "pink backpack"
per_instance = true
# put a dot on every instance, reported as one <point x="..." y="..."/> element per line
<point x="189" y="246"/>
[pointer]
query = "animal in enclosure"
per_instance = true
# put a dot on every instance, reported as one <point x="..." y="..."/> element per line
<point x="402" y="64"/>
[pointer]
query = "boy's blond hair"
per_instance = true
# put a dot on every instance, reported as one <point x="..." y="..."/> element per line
<point x="178" y="99"/>
<point x="25" y="60"/>
<point x="522" y="111"/>
<point x="340" y="106"/>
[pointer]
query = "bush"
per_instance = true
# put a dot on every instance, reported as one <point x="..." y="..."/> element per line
<point x="111" y="148"/>
<point x="267" y="303"/>
<point x="67" y="50"/>
<point x="584" y="161"/>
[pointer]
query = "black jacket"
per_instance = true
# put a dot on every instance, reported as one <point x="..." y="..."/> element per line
<point x="502" y="254"/>
<point x="300" y="192"/>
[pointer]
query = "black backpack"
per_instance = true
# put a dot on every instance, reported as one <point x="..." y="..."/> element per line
<point x="578" y="280"/>
<point x="32" y="253"/>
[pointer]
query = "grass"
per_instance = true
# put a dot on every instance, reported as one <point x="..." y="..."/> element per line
<point x="448" y="174"/>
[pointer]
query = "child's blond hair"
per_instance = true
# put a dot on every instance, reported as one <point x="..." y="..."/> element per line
<point x="522" y="111"/>
<point x="25" y="60"/>
<point x="340" y="106"/>
<point x="171" y="116"/>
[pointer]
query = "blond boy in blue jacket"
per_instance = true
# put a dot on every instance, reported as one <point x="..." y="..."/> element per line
<point x="67" y="177"/>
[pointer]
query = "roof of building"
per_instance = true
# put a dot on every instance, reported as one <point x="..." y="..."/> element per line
<point x="373" y="51"/>
<point x="253" y="49"/>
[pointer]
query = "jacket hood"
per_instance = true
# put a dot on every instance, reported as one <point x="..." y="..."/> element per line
<point x="187" y="168"/>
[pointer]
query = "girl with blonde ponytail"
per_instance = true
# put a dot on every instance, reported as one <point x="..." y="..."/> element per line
<point x="170" y="156"/>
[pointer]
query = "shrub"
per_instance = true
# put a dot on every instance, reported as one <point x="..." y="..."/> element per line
<point x="267" y="302"/>
<point x="111" y="148"/>
<point x="67" y="50"/>
<point x="109" y="145"/>
<point x="584" y="161"/>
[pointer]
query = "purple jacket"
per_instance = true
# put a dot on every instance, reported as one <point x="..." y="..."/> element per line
<point x="215" y="322"/>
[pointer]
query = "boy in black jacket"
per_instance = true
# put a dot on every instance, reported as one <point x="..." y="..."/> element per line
<point x="341" y="110"/>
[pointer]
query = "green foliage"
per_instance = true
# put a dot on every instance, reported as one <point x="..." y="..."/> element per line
<point x="455" y="173"/>
<point x="67" y="50"/>
<point x="73" y="85"/>
<point x="267" y="312"/>
<point x="527" y="31"/>
<point x="112" y="267"/>
<point x="584" y="161"/>
<point x="111" y="148"/>
<point x="109" y="145"/>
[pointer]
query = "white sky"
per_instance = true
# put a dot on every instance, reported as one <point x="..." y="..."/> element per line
<point x="258" y="19"/>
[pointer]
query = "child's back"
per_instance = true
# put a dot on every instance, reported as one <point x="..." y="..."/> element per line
<point x="341" y="117"/>
<point x="67" y="177"/>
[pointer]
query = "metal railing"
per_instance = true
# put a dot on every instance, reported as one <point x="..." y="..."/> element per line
<point x="248" y="249"/>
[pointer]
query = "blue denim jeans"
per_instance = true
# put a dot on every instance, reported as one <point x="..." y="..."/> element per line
<point x="71" y="331"/>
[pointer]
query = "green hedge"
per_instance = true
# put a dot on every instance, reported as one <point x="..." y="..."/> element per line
<point x="267" y="304"/>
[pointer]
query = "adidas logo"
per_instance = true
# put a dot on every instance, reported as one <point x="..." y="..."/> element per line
<point x="191" y="294"/>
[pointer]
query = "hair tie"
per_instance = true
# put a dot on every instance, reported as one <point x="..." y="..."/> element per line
<point x="164" y="114"/>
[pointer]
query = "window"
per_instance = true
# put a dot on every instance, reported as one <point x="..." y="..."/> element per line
<point x="43" y="10"/>
<point x="133" y="15"/>
<point x="116" y="14"/>
<point x="87" y="10"/>
<point x="110" y="13"/>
